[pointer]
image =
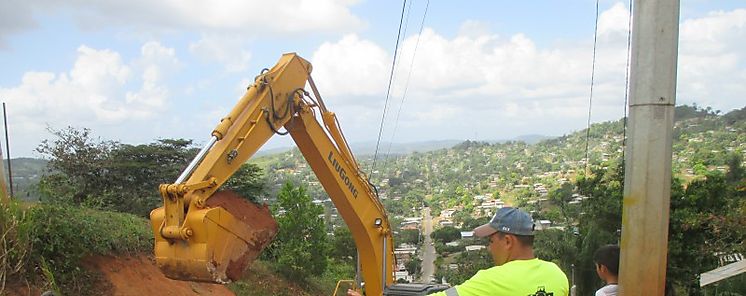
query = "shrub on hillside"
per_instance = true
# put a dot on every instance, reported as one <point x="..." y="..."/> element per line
<point x="14" y="242"/>
<point x="300" y="248"/>
<point x="60" y="236"/>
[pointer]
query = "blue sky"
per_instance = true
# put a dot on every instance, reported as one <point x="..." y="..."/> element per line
<point x="138" y="70"/>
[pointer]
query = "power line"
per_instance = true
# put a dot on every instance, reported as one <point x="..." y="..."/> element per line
<point x="626" y="79"/>
<point x="590" y="98"/>
<point x="409" y="75"/>
<point x="388" y="89"/>
<point x="403" y="33"/>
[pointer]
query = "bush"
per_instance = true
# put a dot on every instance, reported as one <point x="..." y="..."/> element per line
<point x="14" y="242"/>
<point x="446" y="234"/>
<point x="60" y="236"/>
<point x="300" y="248"/>
<point x="336" y="270"/>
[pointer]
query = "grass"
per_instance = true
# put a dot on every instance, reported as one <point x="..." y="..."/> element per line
<point x="46" y="242"/>
<point x="49" y="241"/>
<point x="261" y="279"/>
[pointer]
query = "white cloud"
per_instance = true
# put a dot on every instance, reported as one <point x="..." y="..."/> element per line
<point x="351" y="66"/>
<point x="100" y="90"/>
<point x="502" y="85"/>
<point x="226" y="50"/>
<point x="614" y="21"/>
<point x="250" y="17"/>
<point x="510" y="86"/>
<point x="15" y="17"/>
<point x="712" y="62"/>
<point x="474" y="28"/>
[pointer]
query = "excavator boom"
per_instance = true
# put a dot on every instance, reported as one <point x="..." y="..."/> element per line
<point x="202" y="234"/>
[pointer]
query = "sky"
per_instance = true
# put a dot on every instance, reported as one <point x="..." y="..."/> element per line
<point x="137" y="71"/>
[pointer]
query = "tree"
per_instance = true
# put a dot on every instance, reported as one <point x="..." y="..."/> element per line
<point x="343" y="245"/>
<point x="470" y="223"/>
<point x="598" y="222"/>
<point x="414" y="266"/>
<point x="248" y="181"/>
<point x="558" y="246"/>
<point x="446" y="234"/>
<point x="736" y="172"/>
<point x="136" y="171"/>
<point x="468" y="263"/>
<point x="407" y="236"/>
<point x="300" y="248"/>
<point x="707" y="218"/>
<point x="77" y="171"/>
<point x="561" y="198"/>
<point x="95" y="173"/>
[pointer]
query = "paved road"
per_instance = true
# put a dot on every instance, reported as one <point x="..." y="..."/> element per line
<point x="428" y="251"/>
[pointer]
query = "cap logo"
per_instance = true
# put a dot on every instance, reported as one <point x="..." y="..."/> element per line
<point x="505" y="228"/>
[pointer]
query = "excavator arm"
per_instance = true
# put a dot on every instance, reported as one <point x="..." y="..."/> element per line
<point x="199" y="238"/>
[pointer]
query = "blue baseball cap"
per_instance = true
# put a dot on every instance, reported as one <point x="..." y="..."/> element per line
<point x="507" y="220"/>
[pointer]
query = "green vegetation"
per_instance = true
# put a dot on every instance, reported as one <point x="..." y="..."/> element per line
<point x="248" y="182"/>
<point x="26" y="175"/>
<point x="300" y="248"/>
<point x="47" y="242"/>
<point x="89" y="184"/>
<point x="446" y="234"/>
<point x="107" y="175"/>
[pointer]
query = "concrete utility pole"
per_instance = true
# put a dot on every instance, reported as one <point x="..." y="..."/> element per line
<point x="647" y="177"/>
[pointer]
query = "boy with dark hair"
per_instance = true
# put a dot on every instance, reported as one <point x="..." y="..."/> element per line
<point x="607" y="268"/>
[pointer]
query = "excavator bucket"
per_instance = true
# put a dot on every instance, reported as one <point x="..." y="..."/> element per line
<point x="227" y="235"/>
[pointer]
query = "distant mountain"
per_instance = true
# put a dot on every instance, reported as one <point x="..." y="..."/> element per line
<point x="532" y="139"/>
<point x="528" y="139"/>
<point x="369" y="148"/>
<point x="26" y="174"/>
<point x="265" y="152"/>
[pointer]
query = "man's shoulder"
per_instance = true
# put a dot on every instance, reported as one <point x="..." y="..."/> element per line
<point x="608" y="290"/>
<point x="533" y="266"/>
<point x="549" y="264"/>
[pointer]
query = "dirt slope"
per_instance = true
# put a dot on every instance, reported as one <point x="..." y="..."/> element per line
<point x="138" y="276"/>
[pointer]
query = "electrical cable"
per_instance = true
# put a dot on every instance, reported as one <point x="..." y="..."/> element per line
<point x="590" y="99"/>
<point x="404" y="32"/>
<point x="388" y="89"/>
<point x="626" y="80"/>
<point x="409" y="76"/>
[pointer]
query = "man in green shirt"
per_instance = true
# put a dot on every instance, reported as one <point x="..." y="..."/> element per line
<point x="516" y="270"/>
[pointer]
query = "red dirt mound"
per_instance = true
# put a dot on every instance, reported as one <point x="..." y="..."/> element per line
<point x="257" y="218"/>
<point x="139" y="276"/>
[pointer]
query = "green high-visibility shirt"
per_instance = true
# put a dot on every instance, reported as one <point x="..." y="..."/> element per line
<point x="518" y="277"/>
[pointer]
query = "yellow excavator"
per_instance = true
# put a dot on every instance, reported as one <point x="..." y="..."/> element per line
<point x="202" y="234"/>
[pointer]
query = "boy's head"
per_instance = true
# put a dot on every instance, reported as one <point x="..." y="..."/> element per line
<point x="607" y="261"/>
